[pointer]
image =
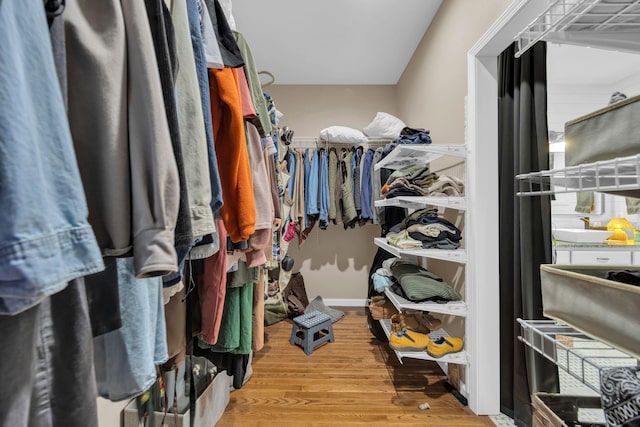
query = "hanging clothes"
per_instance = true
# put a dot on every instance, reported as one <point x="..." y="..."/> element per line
<point x="323" y="190"/>
<point x="263" y="123"/>
<point x="257" y="319"/>
<point x="311" y="187"/>
<point x="163" y="36"/>
<point x="238" y="211"/>
<point x="192" y="129"/>
<point x="126" y="359"/>
<point x="230" y="53"/>
<point x="366" y="191"/>
<point x="120" y="132"/>
<point x="355" y="173"/>
<point x="349" y="214"/>
<point x="212" y="288"/>
<point x="260" y="240"/>
<point x="332" y="180"/>
<point x="300" y="188"/>
<point x="203" y="81"/>
<point x="47" y="360"/>
<point x="236" y="327"/>
<point x="376" y="185"/>
<point x="212" y="53"/>
<point x="46" y="240"/>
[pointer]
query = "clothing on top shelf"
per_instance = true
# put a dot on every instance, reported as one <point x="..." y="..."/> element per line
<point x="414" y="137"/>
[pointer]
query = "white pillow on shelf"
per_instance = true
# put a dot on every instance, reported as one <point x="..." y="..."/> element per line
<point x="343" y="134"/>
<point x="384" y="125"/>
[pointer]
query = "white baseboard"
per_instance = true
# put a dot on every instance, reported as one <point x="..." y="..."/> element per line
<point x="345" y="302"/>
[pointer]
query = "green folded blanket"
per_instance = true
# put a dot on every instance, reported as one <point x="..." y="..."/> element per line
<point x="420" y="284"/>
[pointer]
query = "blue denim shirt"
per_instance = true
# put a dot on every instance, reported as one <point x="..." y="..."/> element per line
<point x="193" y="9"/>
<point x="45" y="239"/>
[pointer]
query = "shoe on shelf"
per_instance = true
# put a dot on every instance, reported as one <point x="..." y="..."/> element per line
<point x="418" y="321"/>
<point x="444" y="345"/>
<point x="432" y="322"/>
<point x="408" y="340"/>
<point x="397" y="323"/>
<point x="381" y="308"/>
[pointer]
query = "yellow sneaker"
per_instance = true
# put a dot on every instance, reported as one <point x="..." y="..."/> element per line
<point x="444" y="345"/>
<point x="408" y="340"/>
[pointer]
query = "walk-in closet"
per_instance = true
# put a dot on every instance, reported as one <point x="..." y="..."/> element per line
<point x="340" y="213"/>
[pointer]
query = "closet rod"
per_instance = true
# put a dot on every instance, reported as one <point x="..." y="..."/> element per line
<point x="314" y="142"/>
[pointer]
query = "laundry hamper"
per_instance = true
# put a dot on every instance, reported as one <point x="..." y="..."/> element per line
<point x="607" y="133"/>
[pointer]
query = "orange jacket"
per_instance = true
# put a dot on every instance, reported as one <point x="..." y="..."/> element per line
<point x="239" y="210"/>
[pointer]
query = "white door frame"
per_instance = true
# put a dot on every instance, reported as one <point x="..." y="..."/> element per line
<point x="482" y="341"/>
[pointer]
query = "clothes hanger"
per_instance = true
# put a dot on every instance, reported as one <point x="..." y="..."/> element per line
<point x="267" y="73"/>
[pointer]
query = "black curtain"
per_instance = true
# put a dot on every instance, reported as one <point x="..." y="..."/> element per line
<point x="525" y="225"/>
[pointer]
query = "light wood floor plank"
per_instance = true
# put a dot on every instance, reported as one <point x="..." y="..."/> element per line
<point x="354" y="381"/>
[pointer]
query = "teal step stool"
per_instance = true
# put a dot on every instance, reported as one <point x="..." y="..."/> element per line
<point x="311" y="330"/>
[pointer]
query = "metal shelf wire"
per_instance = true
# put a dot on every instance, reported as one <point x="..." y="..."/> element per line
<point x="420" y="202"/>
<point x="616" y="22"/>
<point x="581" y="357"/>
<point x="413" y="154"/>
<point x="453" y="308"/>
<point x="453" y="255"/>
<point x="620" y="174"/>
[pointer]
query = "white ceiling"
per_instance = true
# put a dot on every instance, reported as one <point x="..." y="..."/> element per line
<point x="334" y="41"/>
<point x="578" y="65"/>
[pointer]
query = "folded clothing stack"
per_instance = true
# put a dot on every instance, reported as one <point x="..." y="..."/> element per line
<point x="424" y="228"/>
<point x="419" y="284"/>
<point x="414" y="136"/>
<point x="417" y="180"/>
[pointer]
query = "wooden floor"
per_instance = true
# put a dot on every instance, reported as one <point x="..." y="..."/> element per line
<point x="354" y="381"/>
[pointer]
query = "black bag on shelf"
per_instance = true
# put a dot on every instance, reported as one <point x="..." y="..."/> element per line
<point x="374" y="325"/>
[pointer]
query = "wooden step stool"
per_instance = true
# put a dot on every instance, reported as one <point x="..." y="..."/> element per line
<point x="307" y="326"/>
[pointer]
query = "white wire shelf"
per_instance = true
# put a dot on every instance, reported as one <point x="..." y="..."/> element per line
<point x="617" y="24"/>
<point x="420" y="202"/>
<point x="459" y="358"/>
<point x="316" y="142"/>
<point x="415" y="154"/>
<point x="572" y="351"/>
<point x="620" y="174"/>
<point x="453" y="255"/>
<point x="454" y="308"/>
